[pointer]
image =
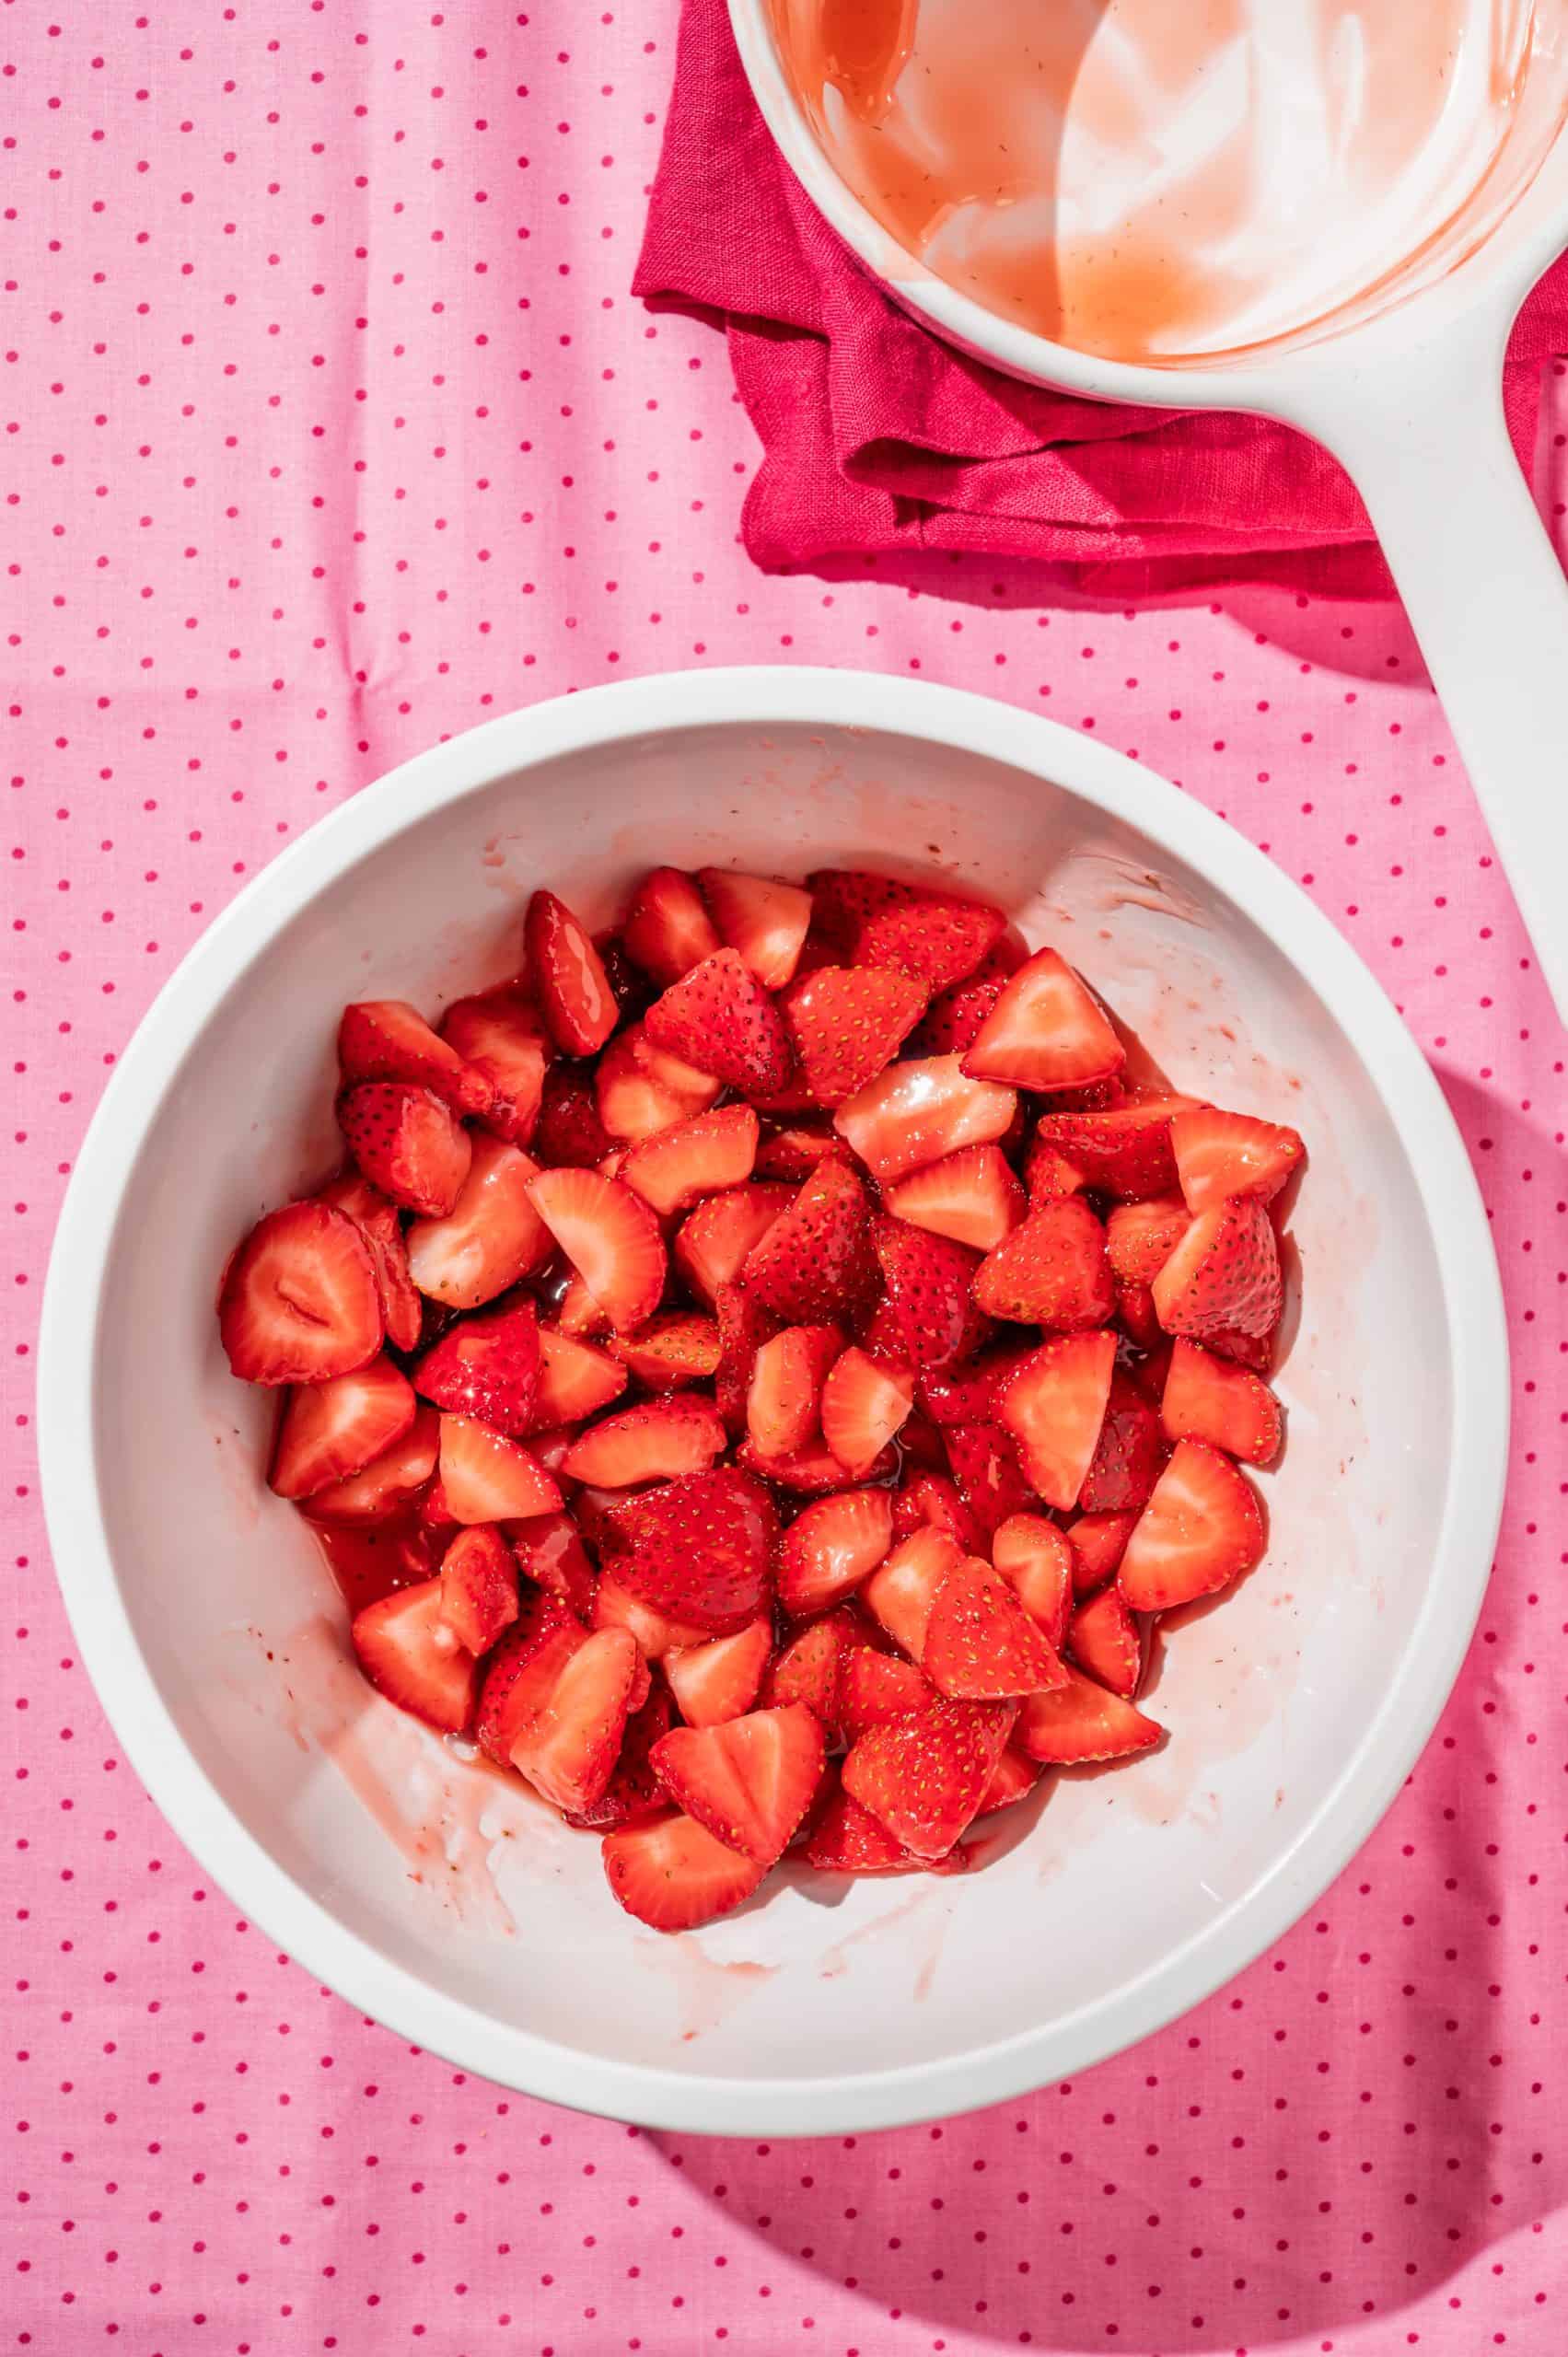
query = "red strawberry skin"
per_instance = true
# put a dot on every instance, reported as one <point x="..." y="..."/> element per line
<point x="1224" y="1273"/>
<point x="377" y="1217"/>
<point x="719" y="1018"/>
<point x="846" y="1022"/>
<point x="568" y="977"/>
<point x="954" y="1017"/>
<point x="930" y="1290"/>
<point x="1122" y="1150"/>
<point x="879" y="921"/>
<point x="923" y="1778"/>
<point x="815" y="1264"/>
<point x="569" y="1134"/>
<point x="1051" y="1271"/>
<point x="1130" y="1451"/>
<point x="388" y="1039"/>
<point x="699" y="1549"/>
<point x="407" y="1142"/>
<point x="486" y="1367"/>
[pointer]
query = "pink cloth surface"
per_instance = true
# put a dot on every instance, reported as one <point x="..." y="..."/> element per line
<point x="879" y="438"/>
<point x="331" y="427"/>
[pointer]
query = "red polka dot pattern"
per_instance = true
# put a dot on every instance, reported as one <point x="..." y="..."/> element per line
<point x="331" y="429"/>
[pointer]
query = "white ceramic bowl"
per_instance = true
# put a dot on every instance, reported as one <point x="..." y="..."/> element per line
<point x="444" y="1900"/>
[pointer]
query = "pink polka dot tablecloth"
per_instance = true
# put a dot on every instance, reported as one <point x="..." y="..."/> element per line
<point x="331" y="428"/>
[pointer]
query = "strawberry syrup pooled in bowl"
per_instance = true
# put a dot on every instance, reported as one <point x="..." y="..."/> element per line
<point x="860" y="1460"/>
<point x="1175" y="185"/>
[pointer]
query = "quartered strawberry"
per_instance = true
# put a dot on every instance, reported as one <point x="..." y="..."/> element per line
<point x="610" y="1235"/>
<point x="490" y="1238"/>
<point x="932" y="1501"/>
<point x="875" y="1685"/>
<point x="1140" y="1237"/>
<point x="719" y="1680"/>
<point x="1081" y="1720"/>
<point x="569" y="1134"/>
<point x="376" y="1218"/>
<point x="814" y="1262"/>
<point x="500" y="1035"/>
<point x="328" y="1431"/>
<point x="721" y="1019"/>
<point x="387" y="1483"/>
<point x="985" y="1467"/>
<point x="846" y="1022"/>
<point x="640" y="1092"/>
<point x="634" y="1793"/>
<point x="900" y="1593"/>
<point x="407" y="1653"/>
<point x="930" y="1288"/>
<point x="865" y="1404"/>
<point x="743" y="1327"/>
<point x="548" y="1551"/>
<point x="968" y="1394"/>
<point x="1015" y="1779"/>
<point x="806" y="1669"/>
<point x="487" y="1478"/>
<point x="1220" y="1155"/>
<point x="567" y="977"/>
<point x="919" y="1110"/>
<point x="1224" y="1275"/>
<point x="671" y="1874"/>
<point x="1098" y="1541"/>
<point x="667" y="930"/>
<point x="488" y="1367"/>
<point x="655" y="1441"/>
<point x="767" y="921"/>
<point x="783" y="1398"/>
<point x="713" y="1245"/>
<point x="981" y="1645"/>
<point x="385" y="1039"/>
<point x="616" y="1608"/>
<point x="1104" y="1639"/>
<point x="575" y="1379"/>
<point x="1212" y="1399"/>
<point x="794" y="1151"/>
<point x="830" y="1547"/>
<point x="669" y="1352"/>
<point x="750" y="1779"/>
<point x="407" y="1142"/>
<point x="972" y="1196"/>
<point x="568" y="1743"/>
<point x="956" y="1014"/>
<point x="847" y="1840"/>
<point x="812" y="1471"/>
<point x="693" y="1158"/>
<point x="507" y="1694"/>
<point x="923" y="1778"/>
<point x="700" y="1550"/>
<point x="299" y="1300"/>
<point x="877" y="920"/>
<point x="1054" y="1407"/>
<point x="1036" y="1560"/>
<point x="1201" y="1528"/>
<point x="1122" y="1150"/>
<point x="1051" y="1271"/>
<point x="1046" y="1031"/>
<point x="1136" y="1315"/>
<point x="479" y="1587"/>
<point x="1128" y="1455"/>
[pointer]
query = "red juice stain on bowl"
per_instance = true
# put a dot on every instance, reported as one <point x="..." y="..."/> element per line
<point x="369" y="1559"/>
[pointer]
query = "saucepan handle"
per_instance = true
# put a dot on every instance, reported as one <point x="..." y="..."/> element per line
<point x="1422" y="435"/>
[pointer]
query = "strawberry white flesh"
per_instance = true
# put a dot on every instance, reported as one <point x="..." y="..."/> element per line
<point x="1223" y="1276"/>
<point x="610" y="1235"/>
<point x="973" y="1196"/>
<point x="405" y="1652"/>
<point x="299" y="1300"/>
<point x="672" y="1873"/>
<point x="831" y="1546"/>
<point x="783" y="1400"/>
<point x="719" y="1680"/>
<point x="479" y="1587"/>
<point x="693" y="1158"/>
<point x="1045" y="1031"/>
<point x="567" y="1746"/>
<point x="1053" y="1406"/>
<point x="1220" y="1155"/>
<point x="641" y="1092"/>
<point x="328" y="1431"/>
<point x="1036" y="1557"/>
<point x="387" y="1483"/>
<point x="1201" y="1528"/>
<point x="767" y="921"/>
<point x="865" y="1402"/>
<point x="500" y="1035"/>
<point x="917" y="1111"/>
<point x="667" y="930"/>
<point x="714" y="1243"/>
<point x="900" y="1593"/>
<point x="388" y="1039"/>
<point x="490" y="1238"/>
<point x="487" y="1478"/>
<point x="653" y="1442"/>
<point x="575" y="1379"/>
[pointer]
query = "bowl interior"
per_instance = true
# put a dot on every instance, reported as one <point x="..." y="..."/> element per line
<point x="455" y="1876"/>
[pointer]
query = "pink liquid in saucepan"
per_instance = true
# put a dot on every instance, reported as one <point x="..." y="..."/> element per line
<point x="1169" y="181"/>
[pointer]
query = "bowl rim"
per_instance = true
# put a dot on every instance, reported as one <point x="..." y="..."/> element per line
<point x="760" y="697"/>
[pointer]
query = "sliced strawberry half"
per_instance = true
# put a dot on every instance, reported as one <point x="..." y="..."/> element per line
<point x="610" y="1235"/>
<point x="385" y="1039"/>
<point x="1104" y="1639"/>
<point x="1212" y="1399"/>
<point x="667" y="930"/>
<point x="406" y="1653"/>
<point x="972" y="1196"/>
<point x="700" y="1550"/>
<point x="634" y="1793"/>
<point x="487" y="1478"/>
<point x="923" y="1778"/>
<point x="1081" y="1720"/>
<point x="846" y="1022"/>
<point x="490" y="1238"/>
<point x="955" y="1015"/>
<point x="693" y="1158"/>
<point x="387" y="1483"/>
<point x="874" y="1686"/>
<point x="1098" y="1541"/>
<point x="930" y="1285"/>
<point x="878" y="921"/>
<point x="766" y="921"/>
<point x="1054" y="1407"/>
<point x="783" y="1398"/>
<point x="299" y="1301"/>
<point x="1219" y="1154"/>
<point x="1224" y="1275"/>
<point x="640" y="1092"/>
<point x="1036" y="1561"/>
<point x="549" y="1550"/>
<point x="509" y="1693"/>
<point x="743" y="1325"/>
<point x="488" y="1367"/>
<point x="655" y="1441"/>
<point x="575" y="1379"/>
<point x="919" y="1110"/>
<point x="500" y="1035"/>
<point x="968" y="1394"/>
<point x="568" y="1743"/>
<point x="806" y="1669"/>
<point x="981" y="1645"/>
<point x="1122" y="1150"/>
<point x="720" y="1679"/>
<point x="865" y="1402"/>
<point x="616" y="1608"/>
<point x="1140" y="1237"/>
<point x="407" y="1142"/>
<point x="830" y="1547"/>
<point x="814" y="1263"/>
<point x="1201" y="1528"/>
<point x="569" y="1134"/>
<point x="1051" y="1271"/>
<point x="1128" y="1455"/>
<point x="748" y="1780"/>
<point x="1015" y="1779"/>
<point x="847" y="1840"/>
<point x="377" y="1217"/>
<point x="721" y="1019"/>
<point x="671" y="1874"/>
<point x="670" y="1352"/>
<point x="1046" y="1031"/>
<point x="714" y="1243"/>
<point x="991" y="1480"/>
<point x="328" y="1431"/>
<point x="900" y="1593"/>
<point x="479" y="1587"/>
<point x="567" y="977"/>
